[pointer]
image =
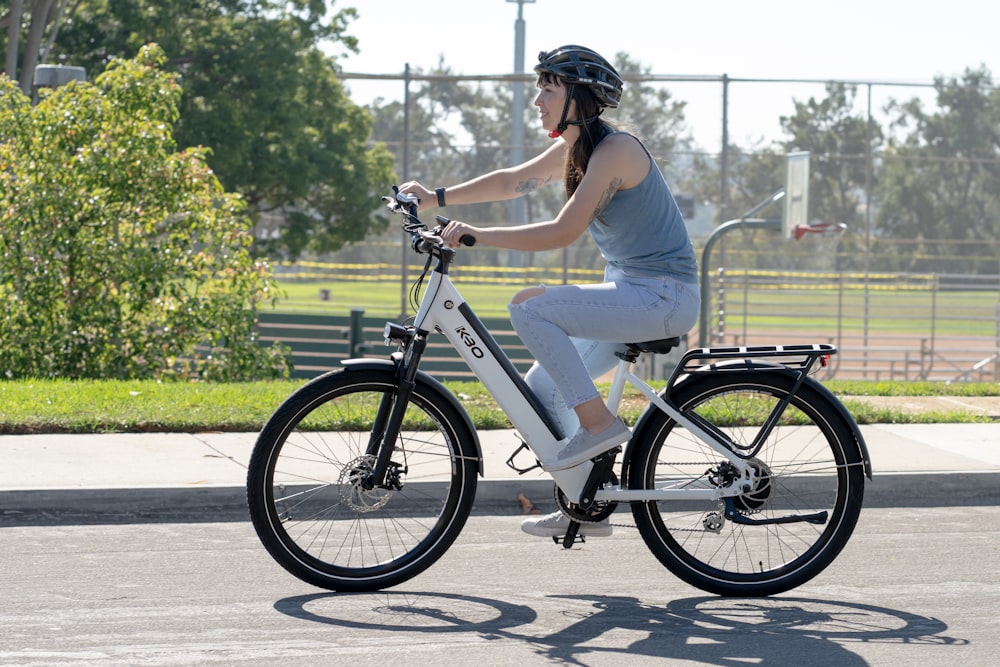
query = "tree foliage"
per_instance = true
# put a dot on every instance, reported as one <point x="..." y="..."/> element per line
<point x="121" y="257"/>
<point x="30" y="28"/>
<point x="260" y="93"/>
<point x="942" y="177"/>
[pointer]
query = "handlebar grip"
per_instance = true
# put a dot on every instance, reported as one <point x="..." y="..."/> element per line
<point x="407" y="198"/>
<point x="466" y="240"/>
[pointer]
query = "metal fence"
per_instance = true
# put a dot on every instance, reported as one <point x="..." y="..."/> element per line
<point x="897" y="309"/>
<point x="888" y="325"/>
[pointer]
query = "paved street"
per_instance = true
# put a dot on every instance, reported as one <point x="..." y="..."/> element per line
<point x="914" y="586"/>
<point x="135" y="549"/>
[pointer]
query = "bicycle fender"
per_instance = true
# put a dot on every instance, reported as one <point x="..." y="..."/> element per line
<point x="752" y="365"/>
<point x="855" y="429"/>
<point x="428" y="383"/>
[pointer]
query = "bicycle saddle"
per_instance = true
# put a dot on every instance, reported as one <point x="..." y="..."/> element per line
<point x="661" y="346"/>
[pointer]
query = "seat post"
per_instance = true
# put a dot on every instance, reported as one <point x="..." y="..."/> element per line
<point x="625" y="361"/>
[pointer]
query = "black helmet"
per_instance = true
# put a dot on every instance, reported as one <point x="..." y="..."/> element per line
<point x="579" y="65"/>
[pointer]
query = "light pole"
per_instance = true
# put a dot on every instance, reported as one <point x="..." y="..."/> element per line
<point x="517" y="208"/>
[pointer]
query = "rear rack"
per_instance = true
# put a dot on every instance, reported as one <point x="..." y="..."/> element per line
<point x="797" y="357"/>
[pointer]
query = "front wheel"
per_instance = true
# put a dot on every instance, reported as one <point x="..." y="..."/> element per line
<point x="310" y="495"/>
<point x="809" y="465"/>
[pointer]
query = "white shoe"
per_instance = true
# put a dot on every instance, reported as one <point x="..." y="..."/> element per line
<point x="557" y="523"/>
<point x="586" y="445"/>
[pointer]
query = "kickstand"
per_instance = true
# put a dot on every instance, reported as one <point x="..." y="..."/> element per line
<point x="571" y="537"/>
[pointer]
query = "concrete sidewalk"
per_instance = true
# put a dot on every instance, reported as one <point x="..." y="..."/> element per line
<point x="119" y="478"/>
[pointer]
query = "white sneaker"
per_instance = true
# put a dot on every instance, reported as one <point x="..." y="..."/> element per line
<point x="586" y="445"/>
<point x="557" y="523"/>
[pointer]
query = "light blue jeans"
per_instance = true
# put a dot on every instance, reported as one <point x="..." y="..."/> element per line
<point x="574" y="331"/>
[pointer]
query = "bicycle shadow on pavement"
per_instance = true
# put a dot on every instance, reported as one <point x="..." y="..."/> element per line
<point x="710" y="630"/>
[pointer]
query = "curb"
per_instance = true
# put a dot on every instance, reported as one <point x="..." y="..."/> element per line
<point x="493" y="498"/>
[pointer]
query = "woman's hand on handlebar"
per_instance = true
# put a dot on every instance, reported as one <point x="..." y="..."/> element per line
<point x="455" y="230"/>
<point x="427" y="197"/>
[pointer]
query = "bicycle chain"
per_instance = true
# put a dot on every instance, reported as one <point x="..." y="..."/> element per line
<point x="672" y="530"/>
<point x="675" y="530"/>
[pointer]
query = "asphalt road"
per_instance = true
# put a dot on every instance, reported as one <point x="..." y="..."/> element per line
<point x="914" y="586"/>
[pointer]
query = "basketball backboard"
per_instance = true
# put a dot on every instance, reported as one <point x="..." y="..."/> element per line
<point x="796" y="205"/>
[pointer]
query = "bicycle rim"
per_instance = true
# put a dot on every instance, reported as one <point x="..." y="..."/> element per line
<point x="809" y="464"/>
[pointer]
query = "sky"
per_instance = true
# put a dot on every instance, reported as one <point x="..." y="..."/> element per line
<point x="875" y="40"/>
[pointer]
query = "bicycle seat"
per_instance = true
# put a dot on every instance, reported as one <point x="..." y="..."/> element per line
<point x="661" y="346"/>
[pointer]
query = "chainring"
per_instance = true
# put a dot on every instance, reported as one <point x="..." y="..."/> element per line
<point x="599" y="511"/>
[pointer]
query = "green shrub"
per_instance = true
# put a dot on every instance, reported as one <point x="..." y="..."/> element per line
<point x="121" y="257"/>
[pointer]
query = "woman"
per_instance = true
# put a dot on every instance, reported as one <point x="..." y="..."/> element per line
<point x="615" y="191"/>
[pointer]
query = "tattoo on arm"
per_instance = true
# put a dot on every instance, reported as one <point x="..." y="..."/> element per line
<point x="530" y="185"/>
<point x="613" y="187"/>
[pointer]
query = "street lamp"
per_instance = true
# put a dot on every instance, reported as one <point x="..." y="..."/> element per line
<point x="54" y="76"/>
<point x="517" y="207"/>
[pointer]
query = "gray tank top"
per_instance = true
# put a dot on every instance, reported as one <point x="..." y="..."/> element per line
<point x="641" y="231"/>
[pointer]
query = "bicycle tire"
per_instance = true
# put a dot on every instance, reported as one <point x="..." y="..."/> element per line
<point x="811" y="463"/>
<point x="309" y="508"/>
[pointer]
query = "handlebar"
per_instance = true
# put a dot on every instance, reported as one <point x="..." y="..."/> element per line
<point x="422" y="239"/>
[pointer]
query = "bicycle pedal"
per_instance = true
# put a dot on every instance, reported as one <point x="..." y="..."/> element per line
<point x="571" y="537"/>
<point x="567" y="542"/>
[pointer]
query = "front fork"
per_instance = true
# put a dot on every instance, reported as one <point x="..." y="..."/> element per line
<point x="392" y="410"/>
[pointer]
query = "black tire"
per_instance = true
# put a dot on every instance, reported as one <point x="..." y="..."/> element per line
<point x="309" y="508"/>
<point x="811" y="463"/>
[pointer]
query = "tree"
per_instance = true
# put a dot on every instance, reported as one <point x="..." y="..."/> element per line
<point x="119" y="256"/>
<point x="941" y="171"/>
<point x="260" y="93"/>
<point x="39" y="21"/>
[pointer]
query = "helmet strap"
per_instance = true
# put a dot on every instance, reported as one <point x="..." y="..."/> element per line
<point x="563" y="123"/>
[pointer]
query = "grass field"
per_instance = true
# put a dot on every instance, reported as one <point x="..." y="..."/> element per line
<point x="903" y="312"/>
<point x="381" y="299"/>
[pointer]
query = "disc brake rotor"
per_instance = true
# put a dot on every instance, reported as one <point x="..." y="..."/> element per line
<point x="352" y="491"/>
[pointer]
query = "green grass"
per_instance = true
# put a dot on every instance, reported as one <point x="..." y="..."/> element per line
<point x="64" y="406"/>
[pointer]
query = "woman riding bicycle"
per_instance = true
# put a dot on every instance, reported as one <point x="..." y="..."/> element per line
<point x="616" y="192"/>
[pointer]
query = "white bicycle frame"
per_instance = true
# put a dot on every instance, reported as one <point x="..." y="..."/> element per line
<point x="443" y="308"/>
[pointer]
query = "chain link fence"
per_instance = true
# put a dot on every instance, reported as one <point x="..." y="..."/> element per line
<point x="898" y="309"/>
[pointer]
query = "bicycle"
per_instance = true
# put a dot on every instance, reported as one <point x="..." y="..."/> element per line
<point x="745" y="476"/>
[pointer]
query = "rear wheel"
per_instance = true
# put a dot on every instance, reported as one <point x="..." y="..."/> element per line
<point x="808" y="465"/>
<point x="307" y="490"/>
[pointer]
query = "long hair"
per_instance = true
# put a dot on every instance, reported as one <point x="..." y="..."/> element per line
<point x="591" y="132"/>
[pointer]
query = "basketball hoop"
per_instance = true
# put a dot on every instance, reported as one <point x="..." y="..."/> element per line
<point x="819" y="228"/>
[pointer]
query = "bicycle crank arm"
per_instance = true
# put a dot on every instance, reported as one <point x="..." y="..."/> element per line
<point x="736" y="517"/>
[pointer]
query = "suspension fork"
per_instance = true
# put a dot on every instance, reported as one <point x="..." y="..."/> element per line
<point x="392" y="409"/>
